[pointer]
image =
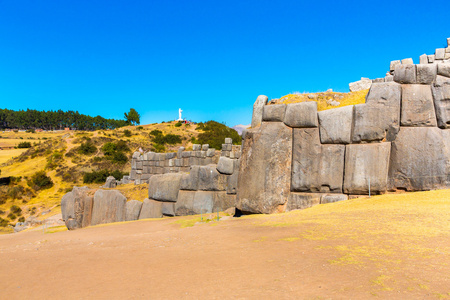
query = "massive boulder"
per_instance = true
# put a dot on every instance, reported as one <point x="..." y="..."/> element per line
<point x="258" y="108"/>
<point x="189" y="181"/>
<point x="109" y="206"/>
<point x="441" y="94"/>
<point x="330" y="198"/>
<point x="302" y="200"/>
<point x="67" y="206"/>
<point x="265" y="169"/>
<point x="110" y="183"/>
<point x="426" y="74"/>
<point x="225" y="165"/>
<point x="420" y="159"/>
<point x="301" y="115"/>
<point x="151" y="209"/>
<point x="336" y="125"/>
<point x="274" y="113"/>
<point x="193" y="203"/>
<point x="232" y="180"/>
<point x="76" y="208"/>
<point x="379" y="117"/>
<point x="366" y="165"/>
<point x="209" y="179"/>
<point x="405" y="74"/>
<point x="133" y="210"/>
<point x="417" y="106"/>
<point x="316" y="167"/>
<point x="164" y="187"/>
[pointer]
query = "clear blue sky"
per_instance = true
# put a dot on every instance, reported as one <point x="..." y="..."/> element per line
<point x="211" y="58"/>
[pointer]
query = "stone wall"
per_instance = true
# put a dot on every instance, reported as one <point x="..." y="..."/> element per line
<point x="183" y="183"/>
<point x="398" y="140"/>
<point x="145" y="165"/>
<point x="295" y="157"/>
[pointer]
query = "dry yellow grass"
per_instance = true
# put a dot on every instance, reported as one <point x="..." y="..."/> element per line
<point x="386" y="233"/>
<point x="6" y="155"/>
<point x="344" y="99"/>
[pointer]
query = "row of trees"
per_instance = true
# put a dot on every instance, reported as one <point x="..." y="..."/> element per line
<point x="50" y="120"/>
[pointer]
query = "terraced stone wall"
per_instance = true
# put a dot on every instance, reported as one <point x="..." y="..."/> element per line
<point x="145" y="165"/>
<point x="294" y="157"/>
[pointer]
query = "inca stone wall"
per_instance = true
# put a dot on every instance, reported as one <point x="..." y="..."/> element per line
<point x="144" y="166"/>
<point x="398" y="140"/>
<point x="295" y="157"/>
<point x="184" y="183"/>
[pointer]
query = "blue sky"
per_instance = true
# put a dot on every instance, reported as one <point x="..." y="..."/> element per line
<point x="210" y="58"/>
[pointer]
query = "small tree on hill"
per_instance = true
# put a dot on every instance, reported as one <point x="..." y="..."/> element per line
<point x="133" y="117"/>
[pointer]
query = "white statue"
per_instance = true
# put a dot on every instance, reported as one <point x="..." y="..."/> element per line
<point x="179" y="115"/>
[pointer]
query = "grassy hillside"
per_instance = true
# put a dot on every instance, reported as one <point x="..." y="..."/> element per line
<point x="65" y="157"/>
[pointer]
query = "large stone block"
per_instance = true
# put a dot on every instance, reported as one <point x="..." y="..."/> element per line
<point x="265" y="169"/>
<point x="301" y="115"/>
<point x="441" y="94"/>
<point x="232" y="180"/>
<point x="164" y="187"/>
<point x="225" y="165"/>
<point x="439" y="54"/>
<point x="443" y="69"/>
<point x="185" y="203"/>
<point x="379" y="118"/>
<point x="420" y="159"/>
<point x="302" y="200"/>
<point x="393" y="64"/>
<point x="336" y="125"/>
<point x="151" y="209"/>
<point x="274" y="113"/>
<point x="330" y="198"/>
<point x="193" y="203"/>
<point x="209" y="179"/>
<point x="316" y="167"/>
<point x="223" y="201"/>
<point x="67" y="206"/>
<point x="426" y="74"/>
<point x="258" y="108"/>
<point x="76" y="208"/>
<point x="168" y="209"/>
<point x="133" y="210"/>
<point x="203" y="202"/>
<point x="366" y="164"/>
<point x="423" y="59"/>
<point x="109" y="206"/>
<point x="405" y="74"/>
<point x="189" y="181"/>
<point x="417" y="106"/>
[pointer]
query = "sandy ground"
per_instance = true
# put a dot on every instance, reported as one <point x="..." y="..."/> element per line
<point x="301" y="255"/>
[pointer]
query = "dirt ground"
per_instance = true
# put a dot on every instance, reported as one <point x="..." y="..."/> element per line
<point x="378" y="248"/>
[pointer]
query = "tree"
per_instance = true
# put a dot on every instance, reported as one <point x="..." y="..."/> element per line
<point x="133" y="117"/>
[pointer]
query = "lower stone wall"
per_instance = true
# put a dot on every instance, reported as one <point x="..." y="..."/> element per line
<point x="145" y="165"/>
<point x="203" y="189"/>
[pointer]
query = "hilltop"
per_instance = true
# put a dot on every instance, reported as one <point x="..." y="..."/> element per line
<point x="325" y="100"/>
